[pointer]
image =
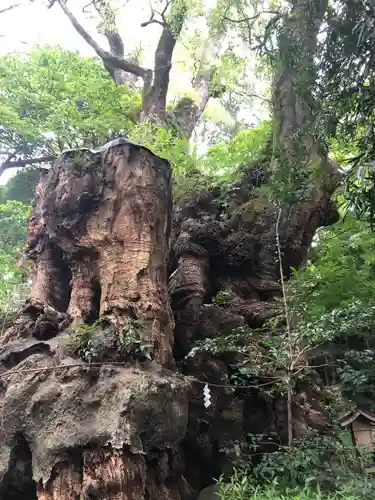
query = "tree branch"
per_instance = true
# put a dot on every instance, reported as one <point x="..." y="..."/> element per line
<point x="162" y="13"/>
<point x="111" y="32"/>
<point x="115" y="42"/>
<point x="85" y="7"/>
<point x="251" y="18"/>
<point x="10" y="8"/>
<point x="16" y="5"/>
<point x="156" y="100"/>
<point x="249" y="95"/>
<point x="107" y="58"/>
<point x="152" y="19"/>
<point x="23" y="163"/>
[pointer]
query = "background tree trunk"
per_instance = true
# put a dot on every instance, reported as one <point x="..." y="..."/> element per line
<point x="294" y="80"/>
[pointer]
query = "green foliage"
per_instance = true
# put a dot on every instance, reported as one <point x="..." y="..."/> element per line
<point x="241" y="17"/>
<point x="223" y="297"/>
<point x="52" y="99"/>
<point x="316" y="467"/>
<point x="13" y="222"/>
<point x="21" y="187"/>
<point x="359" y="192"/>
<point x="292" y="176"/>
<point x="239" y="340"/>
<point x="341" y="271"/>
<point x="225" y="165"/>
<point x="241" y="487"/>
<point x="180" y="11"/>
<point x="319" y="461"/>
<point x="224" y="159"/>
<point x="219" y="166"/>
<point x="346" y="339"/>
<point x="333" y="299"/>
<point x="164" y="142"/>
<point x="347" y="91"/>
<point x="260" y="354"/>
<point x="101" y="341"/>
<point x="130" y="341"/>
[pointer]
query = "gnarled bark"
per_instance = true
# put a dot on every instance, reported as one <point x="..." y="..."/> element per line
<point x="102" y="224"/>
<point x="98" y="235"/>
<point x="240" y="249"/>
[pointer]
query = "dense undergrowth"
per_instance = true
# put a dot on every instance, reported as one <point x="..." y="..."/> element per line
<point x="241" y="488"/>
<point x="316" y="467"/>
<point x="331" y="302"/>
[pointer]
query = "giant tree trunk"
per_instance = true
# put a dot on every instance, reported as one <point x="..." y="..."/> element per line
<point x="98" y="235"/>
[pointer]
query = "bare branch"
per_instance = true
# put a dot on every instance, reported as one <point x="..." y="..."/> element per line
<point x="108" y="59"/>
<point x="152" y="19"/>
<point x="84" y="9"/>
<point x="23" y="163"/>
<point x="9" y="8"/>
<point x="162" y="13"/>
<point x="249" y="95"/>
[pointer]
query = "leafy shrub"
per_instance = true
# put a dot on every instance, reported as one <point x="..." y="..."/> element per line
<point x="315" y="468"/>
<point x="239" y="340"/>
<point x="13" y="283"/>
<point x="318" y="461"/>
<point x="341" y="271"/>
<point x="53" y="99"/>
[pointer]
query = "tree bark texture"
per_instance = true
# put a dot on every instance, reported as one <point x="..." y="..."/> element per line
<point x="99" y="232"/>
<point x="98" y="236"/>
<point x="294" y="80"/>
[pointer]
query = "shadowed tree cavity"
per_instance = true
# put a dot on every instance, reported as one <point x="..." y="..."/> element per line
<point x="18" y="483"/>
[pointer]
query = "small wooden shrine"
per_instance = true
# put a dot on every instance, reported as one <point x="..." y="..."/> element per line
<point x="361" y="425"/>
